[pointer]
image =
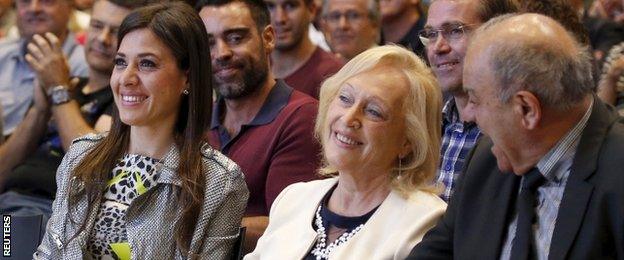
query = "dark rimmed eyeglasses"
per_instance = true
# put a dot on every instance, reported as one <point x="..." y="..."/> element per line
<point x="449" y="32"/>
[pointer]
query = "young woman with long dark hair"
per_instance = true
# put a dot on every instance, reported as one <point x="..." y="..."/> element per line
<point x="151" y="188"/>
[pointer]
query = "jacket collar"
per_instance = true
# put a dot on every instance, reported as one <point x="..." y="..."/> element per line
<point x="168" y="167"/>
<point x="276" y="100"/>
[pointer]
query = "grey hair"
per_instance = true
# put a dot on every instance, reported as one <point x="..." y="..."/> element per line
<point x="374" y="11"/>
<point x="559" y="78"/>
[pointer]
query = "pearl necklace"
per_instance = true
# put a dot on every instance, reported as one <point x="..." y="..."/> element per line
<point x="321" y="250"/>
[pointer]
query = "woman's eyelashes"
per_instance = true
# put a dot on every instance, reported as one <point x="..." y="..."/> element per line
<point x="147" y="64"/>
<point x="369" y="108"/>
<point x="374" y="112"/>
<point x="143" y="64"/>
<point x="120" y="62"/>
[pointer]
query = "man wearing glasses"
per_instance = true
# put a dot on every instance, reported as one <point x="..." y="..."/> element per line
<point x="351" y="26"/>
<point x="446" y="37"/>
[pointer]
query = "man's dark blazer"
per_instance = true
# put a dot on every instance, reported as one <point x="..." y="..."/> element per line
<point x="590" y="223"/>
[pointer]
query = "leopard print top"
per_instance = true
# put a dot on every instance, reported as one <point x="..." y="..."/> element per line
<point x="134" y="175"/>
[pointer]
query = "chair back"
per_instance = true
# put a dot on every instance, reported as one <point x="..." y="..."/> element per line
<point x="237" y="250"/>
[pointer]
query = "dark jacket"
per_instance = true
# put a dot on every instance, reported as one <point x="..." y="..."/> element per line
<point x="590" y="223"/>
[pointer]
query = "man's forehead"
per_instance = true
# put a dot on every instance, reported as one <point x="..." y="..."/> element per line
<point x="284" y="1"/>
<point x="477" y="68"/>
<point x="233" y="8"/>
<point x="359" y="5"/>
<point x="446" y="12"/>
<point x="57" y="3"/>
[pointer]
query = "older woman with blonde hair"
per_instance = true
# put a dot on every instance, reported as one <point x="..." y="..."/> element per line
<point x="379" y="125"/>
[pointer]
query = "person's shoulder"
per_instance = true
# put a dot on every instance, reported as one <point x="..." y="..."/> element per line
<point x="304" y="192"/>
<point x="300" y="107"/>
<point x="615" y="135"/>
<point x="78" y="149"/>
<point x="216" y="160"/>
<point x="82" y="144"/>
<point x="610" y="157"/>
<point x="313" y="186"/>
<point x="605" y="129"/>
<point x="480" y="160"/>
<point x="327" y="58"/>
<point x="9" y="47"/>
<point x="328" y="62"/>
<point x="422" y="200"/>
<point x="90" y="138"/>
<point x="298" y="99"/>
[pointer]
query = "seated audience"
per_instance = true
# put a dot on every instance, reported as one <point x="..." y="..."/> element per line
<point x="379" y="125"/>
<point x="16" y="77"/>
<point x="30" y="158"/>
<point x="401" y="20"/>
<point x="151" y="188"/>
<point x="359" y="31"/>
<point x="259" y="122"/>
<point x="548" y="184"/>
<point x="297" y="60"/>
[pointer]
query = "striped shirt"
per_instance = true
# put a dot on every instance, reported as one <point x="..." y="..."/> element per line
<point x="458" y="138"/>
<point x="555" y="166"/>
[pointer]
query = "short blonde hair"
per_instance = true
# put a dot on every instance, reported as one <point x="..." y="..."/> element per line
<point x="422" y="108"/>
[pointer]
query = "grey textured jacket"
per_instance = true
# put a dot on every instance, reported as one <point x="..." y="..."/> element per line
<point x="151" y="217"/>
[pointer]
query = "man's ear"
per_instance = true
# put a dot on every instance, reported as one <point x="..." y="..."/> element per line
<point x="268" y="38"/>
<point x="528" y="107"/>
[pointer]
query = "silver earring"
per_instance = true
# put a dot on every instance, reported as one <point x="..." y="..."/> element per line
<point x="185" y="92"/>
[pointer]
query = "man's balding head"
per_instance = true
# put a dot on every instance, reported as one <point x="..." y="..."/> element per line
<point x="535" y="53"/>
<point x="529" y="82"/>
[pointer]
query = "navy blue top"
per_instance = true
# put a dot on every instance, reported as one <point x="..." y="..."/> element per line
<point x="332" y="219"/>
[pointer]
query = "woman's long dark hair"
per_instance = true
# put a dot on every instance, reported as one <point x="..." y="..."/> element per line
<point x="182" y="30"/>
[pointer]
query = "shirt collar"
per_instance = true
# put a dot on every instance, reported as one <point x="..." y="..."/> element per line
<point x="450" y="114"/>
<point x="449" y="111"/>
<point x="276" y="100"/>
<point x="564" y="150"/>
